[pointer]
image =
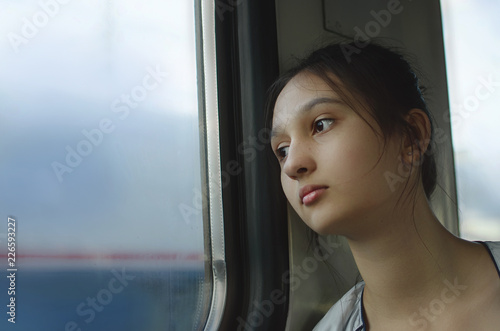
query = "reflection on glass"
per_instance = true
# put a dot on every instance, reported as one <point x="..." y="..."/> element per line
<point x="100" y="164"/>
<point x="473" y="62"/>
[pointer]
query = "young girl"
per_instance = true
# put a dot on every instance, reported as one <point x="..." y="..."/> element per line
<point x="345" y="124"/>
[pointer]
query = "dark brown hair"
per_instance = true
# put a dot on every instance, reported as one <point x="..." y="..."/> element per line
<point x="376" y="78"/>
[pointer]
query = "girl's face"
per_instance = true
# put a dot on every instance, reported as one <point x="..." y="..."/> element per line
<point x="333" y="164"/>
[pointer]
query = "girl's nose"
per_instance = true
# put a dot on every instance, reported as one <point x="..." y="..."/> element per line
<point x="299" y="161"/>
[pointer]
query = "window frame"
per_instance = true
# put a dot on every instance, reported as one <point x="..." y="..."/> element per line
<point x="254" y="208"/>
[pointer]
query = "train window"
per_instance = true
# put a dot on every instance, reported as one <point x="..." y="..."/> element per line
<point x="102" y="166"/>
<point x="472" y="60"/>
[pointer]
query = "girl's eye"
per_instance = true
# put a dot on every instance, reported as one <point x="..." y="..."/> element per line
<point x="282" y="152"/>
<point x="322" y="125"/>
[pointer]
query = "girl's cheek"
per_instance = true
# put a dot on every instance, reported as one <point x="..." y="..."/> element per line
<point x="286" y="186"/>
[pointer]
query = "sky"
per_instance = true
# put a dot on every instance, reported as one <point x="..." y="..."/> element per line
<point x="126" y="195"/>
<point x="67" y="77"/>
<point x="473" y="57"/>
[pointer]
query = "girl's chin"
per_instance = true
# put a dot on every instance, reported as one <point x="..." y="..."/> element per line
<point x="326" y="226"/>
<point x="321" y="227"/>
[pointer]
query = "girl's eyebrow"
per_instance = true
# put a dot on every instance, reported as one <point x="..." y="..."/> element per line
<point x="276" y="131"/>
<point x="314" y="102"/>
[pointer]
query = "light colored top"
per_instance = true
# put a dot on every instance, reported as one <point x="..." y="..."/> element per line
<point x="347" y="313"/>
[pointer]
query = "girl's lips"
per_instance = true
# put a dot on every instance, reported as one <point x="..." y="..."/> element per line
<point x="310" y="193"/>
<point x="313" y="196"/>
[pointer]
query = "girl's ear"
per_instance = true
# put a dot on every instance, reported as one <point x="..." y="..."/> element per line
<point x="418" y="137"/>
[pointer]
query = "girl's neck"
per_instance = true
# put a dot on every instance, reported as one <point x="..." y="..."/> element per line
<point x="408" y="262"/>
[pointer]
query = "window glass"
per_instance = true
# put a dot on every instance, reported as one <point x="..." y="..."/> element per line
<point x="100" y="165"/>
<point x="473" y="62"/>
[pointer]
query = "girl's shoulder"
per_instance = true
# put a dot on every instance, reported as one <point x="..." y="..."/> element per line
<point x="494" y="250"/>
<point x="346" y="314"/>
